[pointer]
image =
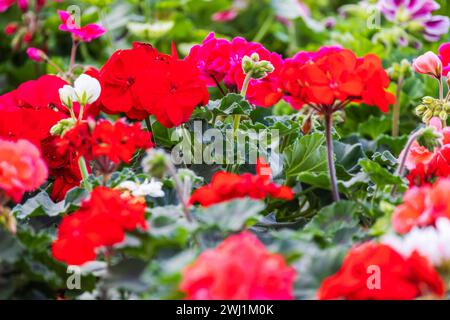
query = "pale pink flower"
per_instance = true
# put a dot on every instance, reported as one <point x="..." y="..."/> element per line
<point x="22" y="168"/>
<point x="428" y="63"/>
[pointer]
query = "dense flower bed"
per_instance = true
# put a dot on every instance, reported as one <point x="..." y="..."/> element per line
<point x="172" y="150"/>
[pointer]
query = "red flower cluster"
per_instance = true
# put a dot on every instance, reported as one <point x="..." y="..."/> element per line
<point x="333" y="74"/>
<point x="425" y="166"/>
<point x="422" y="206"/>
<point x="117" y="141"/>
<point x="141" y="81"/>
<point x="39" y="94"/>
<point x="100" y="221"/>
<point x="377" y="272"/>
<point x="106" y="142"/>
<point x="240" y="268"/>
<point x="226" y="186"/>
<point x="220" y="59"/>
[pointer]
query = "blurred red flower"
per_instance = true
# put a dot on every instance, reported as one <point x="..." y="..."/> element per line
<point x="400" y="278"/>
<point x="240" y="268"/>
<point x="100" y="221"/>
<point x="422" y="206"/>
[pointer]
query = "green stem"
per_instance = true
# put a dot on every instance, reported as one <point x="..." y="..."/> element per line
<point x="264" y="28"/>
<point x="441" y="89"/>
<point x="246" y="82"/>
<point x="396" y="109"/>
<point x="237" y="117"/>
<point x="148" y="124"/>
<point x="84" y="173"/>
<point x="80" y="115"/>
<point x="402" y="160"/>
<point x="180" y="192"/>
<point x="330" y="155"/>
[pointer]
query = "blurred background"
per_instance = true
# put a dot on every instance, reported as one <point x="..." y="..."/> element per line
<point x="284" y="26"/>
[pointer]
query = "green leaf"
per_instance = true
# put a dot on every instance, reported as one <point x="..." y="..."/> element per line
<point x="307" y="154"/>
<point x="348" y="155"/>
<point x="314" y="267"/>
<point x="335" y="223"/>
<point x="39" y="205"/>
<point x="232" y="215"/>
<point x="374" y="127"/>
<point x="127" y="274"/>
<point x="379" y="175"/>
<point x="231" y="104"/>
<point x="10" y="247"/>
<point x="395" y="144"/>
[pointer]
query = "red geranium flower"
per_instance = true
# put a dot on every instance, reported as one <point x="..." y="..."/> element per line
<point x="226" y="186"/>
<point x="101" y="221"/>
<point x="174" y="93"/>
<point x="240" y="268"/>
<point x="117" y="141"/>
<point x="334" y="75"/>
<point x="400" y="278"/>
<point x="141" y="82"/>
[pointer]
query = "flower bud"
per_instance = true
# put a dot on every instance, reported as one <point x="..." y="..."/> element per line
<point x="443" y="115"/>
<point x="421" y="109"/>
<point x="247" y="64"/>
<point x="427" y="100"/>
<point x="258" y="69"/>
<point x="64" y="125"/>
<point x="427" y="116"/>
<point x="155" y="163"/>
<point x="67" y="95"/>
<point x="36" y="54"/>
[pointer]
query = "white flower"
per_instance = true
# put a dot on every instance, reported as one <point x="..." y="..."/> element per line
<point x="87" y="89"/>
<point x="152" y="188"/>
<point x="431" y="242"/>
<point x="67" y="95"/>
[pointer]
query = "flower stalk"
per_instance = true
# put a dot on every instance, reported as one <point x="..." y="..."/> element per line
<point x="84" y="173"/>
<point x="330" y="155"/>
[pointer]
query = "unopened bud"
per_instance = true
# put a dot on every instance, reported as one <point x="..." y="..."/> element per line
<point x="64" y="125"/>
<point x="155" y="163"/>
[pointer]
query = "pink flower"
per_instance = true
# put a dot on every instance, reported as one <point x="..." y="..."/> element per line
<point x="224" y="16"/>
<point x="220" y="59"/>
<point x="36" y="54"/>
<point x="87" y="33"/>
<point x="239" y="268"/>
<point x="417" y="154"/>
<point x="444" y="55"/>
<point x="428" y="63"/>
<point x="5" y="4"/>
<point x="22" y="168"/>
